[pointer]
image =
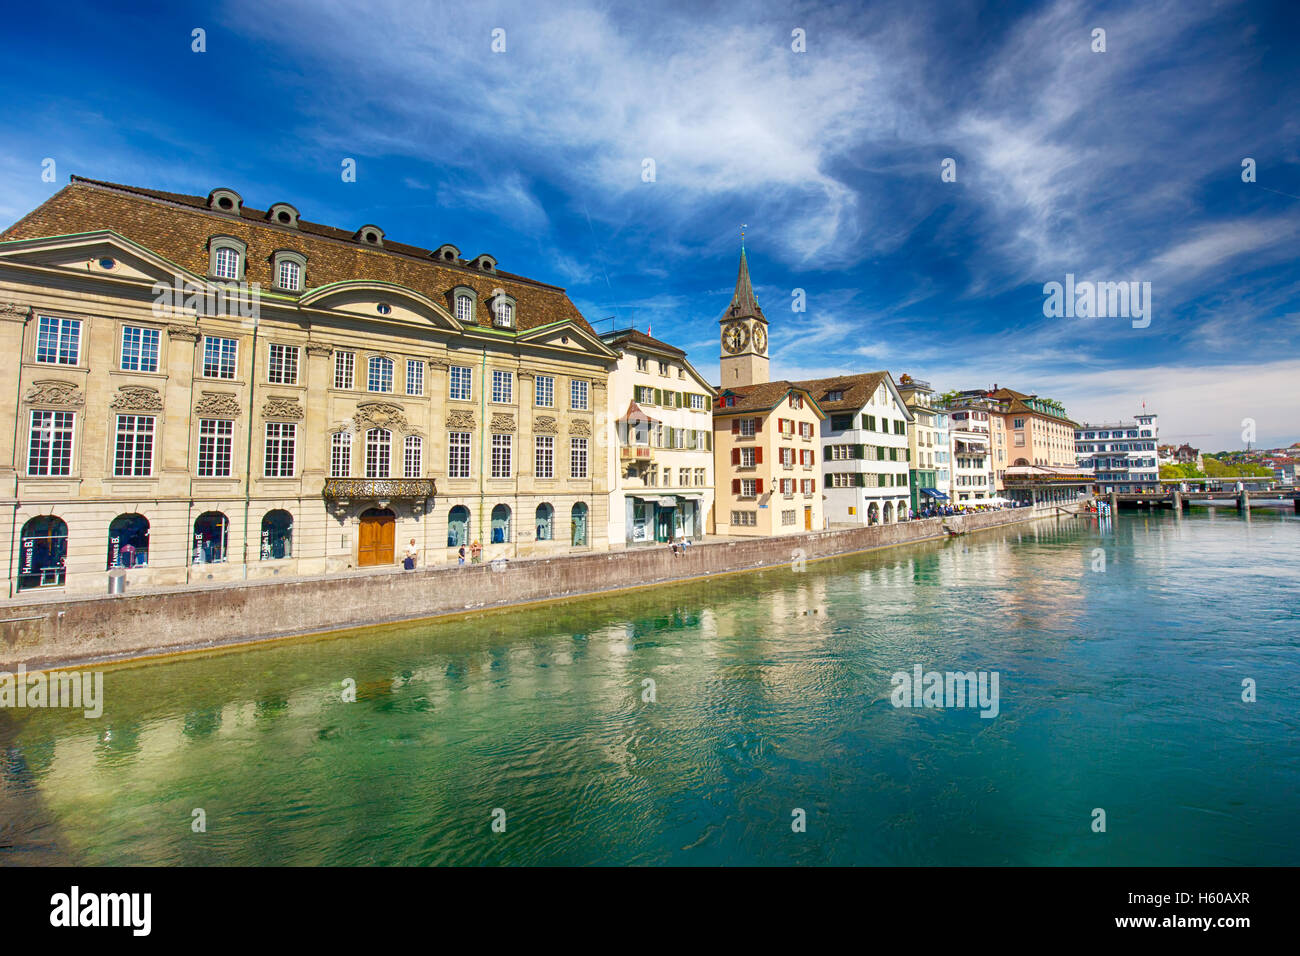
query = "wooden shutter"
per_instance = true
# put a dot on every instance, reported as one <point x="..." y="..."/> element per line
<point x="758" y="455"/>
<point x="735" y="486"/>
<point x="735" y="426"/>
<point x="758" y="426"/>
<point x="758" y="486"/>
<point x="814" y="483"/>
<point x="735" y="456"/>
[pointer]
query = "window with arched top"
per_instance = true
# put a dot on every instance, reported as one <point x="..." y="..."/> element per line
<point x="211" y="532"/>
<point x="226" y="258"/>
<point x="128" y="541"/>
<point x="379" y="449"/>
<point x="42" y="553"/>
<point x="503" y="314"/>
<point x="277" y="535"/>
<point x="458" y="527"/>
<point x="464" y="308"/>
<point x="545" y="522"/>
<point x="501" y="524"/>
<point x="578" y="524"/>
<point x="379" y="377"/>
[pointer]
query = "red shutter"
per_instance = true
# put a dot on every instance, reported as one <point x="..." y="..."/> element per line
<point x="812" y="457"/>
<point x="758" y="486"/>
<point x="814" y="483"/>
<point x="735" y="426"/>
<point x="758" y="425"/>
<point x="735" y="486"/>
<point x="735" y="456"/>
<point x="758" y="456"/>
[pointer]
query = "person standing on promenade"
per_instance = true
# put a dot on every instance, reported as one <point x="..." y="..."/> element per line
<point x="476" y="552"/>
<point x="412" y="551"/>
<point x="460" y="555"/>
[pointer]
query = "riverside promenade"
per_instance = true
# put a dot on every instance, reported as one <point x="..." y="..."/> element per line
<point x="72" y="631"/>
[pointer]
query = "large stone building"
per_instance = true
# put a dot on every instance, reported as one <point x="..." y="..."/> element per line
<point x="864" y="440"/>
<point x="660" y="424"/>
<point x="1121" y="456"/>
<point x="203" y="391"/>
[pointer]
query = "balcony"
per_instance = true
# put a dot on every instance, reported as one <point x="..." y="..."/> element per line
<point x="634" y="453"/>
<point x="343" y="490"/>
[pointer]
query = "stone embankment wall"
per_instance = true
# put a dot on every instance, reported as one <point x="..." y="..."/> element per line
<point x="85" y="630"/>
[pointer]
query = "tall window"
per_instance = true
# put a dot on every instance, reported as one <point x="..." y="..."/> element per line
<point x="578" y="395"/>
<point x="215" y="439"/>
<point x="379" y="376"/>
<point x="290" y="275"/>
<point x="43" y="550"/>
<point x="412" y="457"/>
<point x="219" y="357"/>
<point x="277" y="535"/>
<point x="282" y="365"/>
<point x="747" y="427"/>
<point x="502" y="446"/>
<point x="139" y="349"/>
<point x="505" y="315"/>
<point x="460" y="379"/>
<point x="211" y="530"/>
<point x="464" y="308"/>
<point x="578" y="524"/>
<point x="458" y="454"/>
<point x="128" y="541"/>
<point x="545" y="522"/>
<point x="226" y="263"/>
<point x="344" y="365"/>
<point x="280" y="440"/>
<point x="503" y="387"/>
<point x="133" y="455"/>
<point x="546" y="391"/>
<point x="49" y="451"/>
<point x="578" y="457"/>
<point x="544" y="456"/>
<point x="500" y="524"/>
<point x="58" y="341"/>
<point x="414" y="377"/>
<point x="379" y="445"/>
<point x="341" y="455"/>
<point x="458" y="527"/>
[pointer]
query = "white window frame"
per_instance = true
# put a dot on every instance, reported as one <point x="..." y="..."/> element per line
<point x="578" y="458"/>
<point x="414" y="377"/>
<point x="282" y="364"/>
<point x="579" y="395"/>
<point x="385" y="377"/>
<point x="544" y="456"/>
<point x="379" y="453"/>
<point x="345" y="370"/>
<point x="221" y="354"/>
<point x="66" y="335"/>
<point x="61" y="429"/>
<point x="503" y="387"/>
<point x="133" y="445"/>
<point x="412" y="456"/>
<point x="466" y="384"/>
<point x="458" y="454"/>
<point x="502" y="455"/>
<point x="544" y="391"/>
<point x="281" y="449"/>
<point x="148" y="344"/>
<point x="341" y="454"/>
<point x="217" y="438"/>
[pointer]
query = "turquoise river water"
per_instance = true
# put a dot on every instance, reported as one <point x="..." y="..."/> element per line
<point x="1119" y="689"/>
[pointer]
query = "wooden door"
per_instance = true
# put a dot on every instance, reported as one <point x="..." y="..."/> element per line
<point x="807" y="519"/>
<point x="375" y="540"/>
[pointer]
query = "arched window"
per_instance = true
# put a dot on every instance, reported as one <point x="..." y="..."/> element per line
<point x="379" y="447"/>
<point x="545" y="522"/>
<point x="578" y="518"/>
<point x="42" y="552"/>
<point x="501" y="524"/>
<point x="277" y="535"/>
<point x="464" y="308"/>
<point x="211" y="530"/>
<point x="889" y="512"/>
<point x="225" y="263"/>
<point x="458" y="527"/>
<point x="379" y="376"/>
<point x="128" y="541"/>
<point x="873" y="513"/>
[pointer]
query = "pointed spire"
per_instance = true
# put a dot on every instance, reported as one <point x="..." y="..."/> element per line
<point x="743" y="302"/>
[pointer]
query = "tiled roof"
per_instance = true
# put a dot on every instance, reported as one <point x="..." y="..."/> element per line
<point x="178" y="227"/>
<point x="857" y="390"/>
<point x="622" y="337"/>
<point x="758" y="398"/>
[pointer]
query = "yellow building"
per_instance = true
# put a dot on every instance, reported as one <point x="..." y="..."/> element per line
<point x="202" y="391"/>
<point x="765" y="451"/>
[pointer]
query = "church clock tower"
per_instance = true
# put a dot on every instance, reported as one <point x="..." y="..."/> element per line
<point x="744" y="335"/>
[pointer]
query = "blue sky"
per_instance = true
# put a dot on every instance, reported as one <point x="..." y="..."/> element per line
<point x="1115" y="166"/>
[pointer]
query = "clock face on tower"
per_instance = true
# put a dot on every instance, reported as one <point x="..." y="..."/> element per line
<point x="760" y="339"/>
<point x="734" y="337"/>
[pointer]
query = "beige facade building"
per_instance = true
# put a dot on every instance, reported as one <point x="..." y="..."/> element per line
<point x="661" y="443"/>
<point x="766" y="452"/>
<point x="203" y="392"/>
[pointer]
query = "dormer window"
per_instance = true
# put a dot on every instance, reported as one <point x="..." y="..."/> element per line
<point x="283" y="214"/>
<point x="370" y="235"/>
<point x="503" y="310"/>
<point x="288" y="268"/>
<point x="225" y="200"/>
<point x="464" y="304"/>
<point x="226" y="258"/>
<point x="484" y="263"/>
<point x="447" y="253"/>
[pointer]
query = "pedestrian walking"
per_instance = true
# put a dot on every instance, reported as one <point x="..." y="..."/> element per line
<point x="460" y="555"/>
<point x="412" y="551"/>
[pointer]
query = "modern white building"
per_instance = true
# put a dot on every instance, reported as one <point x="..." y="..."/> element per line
<point x="864" y="448"/>
<point x="1120" y="456"/>
<point x="660" y="418"/>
